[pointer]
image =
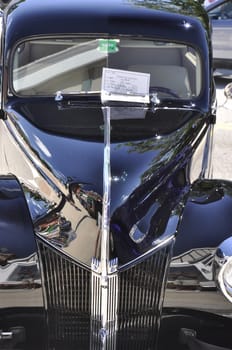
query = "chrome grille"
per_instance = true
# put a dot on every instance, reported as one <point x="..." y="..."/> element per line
<point x="140" y="301"/>
<point x="72" y="301"/>
<point x="67" y="296"/>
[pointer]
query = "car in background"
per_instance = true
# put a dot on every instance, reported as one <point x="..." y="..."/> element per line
<point x="220" y="13"/>
<point x="208" y="2"/>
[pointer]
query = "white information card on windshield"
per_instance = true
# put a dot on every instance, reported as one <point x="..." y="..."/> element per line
<point x="123" y="85"/>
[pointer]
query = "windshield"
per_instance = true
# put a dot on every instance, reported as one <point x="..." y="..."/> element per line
<point x="41" y="67"/>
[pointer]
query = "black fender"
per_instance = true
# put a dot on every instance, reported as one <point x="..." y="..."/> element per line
<point x="16" y="229"/>
<point x="20" y="317"/>
<point x="206" y="222"/>
<point x="207" y="217"/>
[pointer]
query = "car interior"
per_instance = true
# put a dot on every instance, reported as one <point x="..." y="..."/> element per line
<point x="41" y="67"/>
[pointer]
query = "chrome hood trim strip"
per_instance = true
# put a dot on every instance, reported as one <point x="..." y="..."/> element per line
<point x="104" y="288"/>
<point x="106" y="195"/>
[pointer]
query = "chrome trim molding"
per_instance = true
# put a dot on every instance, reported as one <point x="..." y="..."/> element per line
<point x="106" y="196"/>
<point x="104" y="305"/>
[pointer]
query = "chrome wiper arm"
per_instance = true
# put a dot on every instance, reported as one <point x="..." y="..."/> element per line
<point x="59" y="96"/>
<point x="154" y="98"/>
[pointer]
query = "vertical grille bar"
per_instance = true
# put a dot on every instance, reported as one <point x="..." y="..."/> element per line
<point x="95" y="312"/>
<point x="112" y="312"/>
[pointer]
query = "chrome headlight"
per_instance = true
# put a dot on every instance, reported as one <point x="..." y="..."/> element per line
<point x="225" y="279"/>
<point x="223" y="268"/>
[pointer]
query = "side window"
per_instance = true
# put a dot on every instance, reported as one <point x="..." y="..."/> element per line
<point x="222" y="12"/>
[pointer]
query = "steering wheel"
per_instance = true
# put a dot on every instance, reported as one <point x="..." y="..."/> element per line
<point x="164" y="90"/>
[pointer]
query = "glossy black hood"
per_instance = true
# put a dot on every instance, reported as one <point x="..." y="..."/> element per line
<point x="83" y="119"/>
<point x="150" y="153"/>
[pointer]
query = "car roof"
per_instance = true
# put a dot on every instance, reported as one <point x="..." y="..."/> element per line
<point x="126" y="17"/>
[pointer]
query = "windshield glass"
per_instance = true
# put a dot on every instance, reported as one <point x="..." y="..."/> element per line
<point x="41" y="67"/>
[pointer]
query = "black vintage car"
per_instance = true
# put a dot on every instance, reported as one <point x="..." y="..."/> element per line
<point x="113" y="234"/>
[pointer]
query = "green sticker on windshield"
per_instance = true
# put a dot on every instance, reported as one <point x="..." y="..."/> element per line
<point x="108" y="45"/>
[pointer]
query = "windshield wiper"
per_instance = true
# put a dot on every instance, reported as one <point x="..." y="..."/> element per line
<point x="60" y="96"/>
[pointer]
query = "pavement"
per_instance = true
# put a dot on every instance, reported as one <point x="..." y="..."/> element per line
<point x="222" y="151"/>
